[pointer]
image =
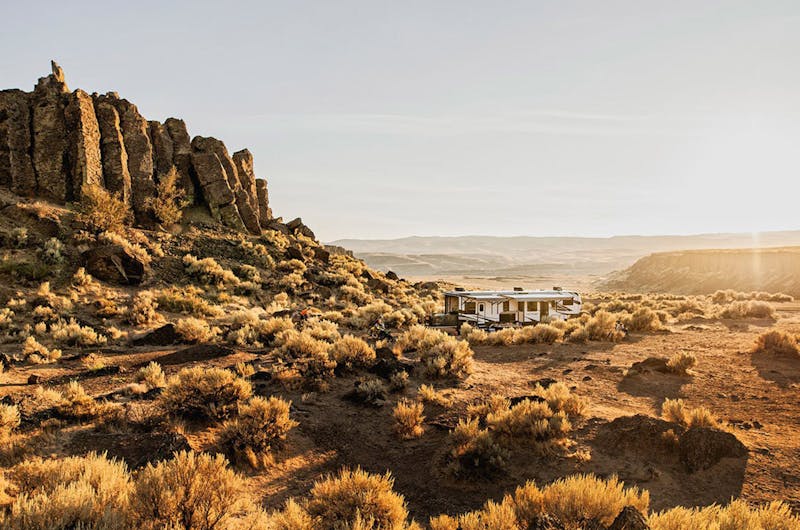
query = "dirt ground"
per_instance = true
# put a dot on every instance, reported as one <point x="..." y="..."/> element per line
<point x="757" y="396"/>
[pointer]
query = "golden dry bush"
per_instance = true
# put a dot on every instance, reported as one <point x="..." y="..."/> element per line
<point x="204" y="393"/>
<point x="169" y="201"/>
<point x="293" y="344"/>
<point x="776" y="341"/>
<point x="192" y="491"/>
<point x="580" y="497"/>
<point x="72" y="333"/>
<point x="737" y="515"/>
<point x="677" y="411"/>
<point x="322" y="329"/>
<point x="76" y="404"/>
<point x="428" y="394"/>
<point x="36" y="353"/>
<point x="195" y="330"/>
<point x="532" y="423"/>
<point x="261" y="424"/>
<point x="350" y="351"/>
<point x="291" y="517"/>
<point x="440" y="354"/>
<point x="142" y="309"/>
<point x="9" y="419"/>
<point x="748" y="309"/>
<point x="77" y="492"/>
<point x="643" y="319"/>
<point x="151" y="376"/>
<point x="681" y="362"/>
<point x="208" y="272"/>
<point x="398" y="381"/>
<point x="408" y="419"/>
<point x="338" y="501"/>
<point x="561" y="399"/>
<point x="186" y="300"/>
<point x="100" y="211"/>
<point x="474" y="453"/>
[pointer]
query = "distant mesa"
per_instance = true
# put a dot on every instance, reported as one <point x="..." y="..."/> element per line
<point x="53" y="141"/>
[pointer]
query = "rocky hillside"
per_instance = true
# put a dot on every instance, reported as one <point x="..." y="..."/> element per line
<point x="53" y="142"/>
<point x="705" y="271"/>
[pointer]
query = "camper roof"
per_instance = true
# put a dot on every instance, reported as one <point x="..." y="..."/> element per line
<point x="539" y="294"/>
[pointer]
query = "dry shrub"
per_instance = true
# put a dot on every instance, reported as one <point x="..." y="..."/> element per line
<point x="341" y="500"/>
<point x="76" y="492"/>
<point x="291" y="517"/>
<point x="52" y="252"/>
<point x="428" y="394"/>
<point x="748" y="309"/>
<point x="261" y="424"/>
<point x="776" y="341"/>
<point x="581" y="497"/>
<point x="186" y="300"/>
<point x="142" y="309"/>
<point x="151" y="376"/>
<point x="249" y="329"/>
<point x="440" y="354"/>
<point x="418" y="338"/>
<point x="531" y="423"/>
<point x="368" y="313"/>
<point x="352" y="351"/>
<point x="737" y="515"/>
<point x="167" y="206"/>
<point x="322" y="330"/>
<point x="100" y="211"/>
<point x="36" y="353"/>
<point x="601" y="326"/>
<point x="677" y="411"/>
<point x="194" y="330"/>
<point x="190" y="492"/>
<point x="643" y="319"/>
<point x="76" y="404"/>
<point x="204" y="393"/>
<point x="681" y="362"/>
<point x="208" y="272"/>
<point x="9" y="419"/>
<point x="408" y="419"/>
<point x="474" y="452"/>
<point x="398" y="381"/>
<point x="73" y="334"/>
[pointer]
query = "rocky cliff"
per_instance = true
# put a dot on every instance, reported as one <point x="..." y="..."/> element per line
<point x="53" y="141"/>
<point x="704" y="271"/>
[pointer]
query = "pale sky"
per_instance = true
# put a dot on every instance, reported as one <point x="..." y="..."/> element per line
<point x="378" y="119"/>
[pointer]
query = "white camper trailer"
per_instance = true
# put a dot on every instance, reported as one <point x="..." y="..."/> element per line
<point x="517" y="307"/>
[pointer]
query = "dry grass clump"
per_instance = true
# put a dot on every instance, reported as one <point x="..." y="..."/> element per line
<point x="52" y="252"/>
<point x="293" y="344"/>
<point x="249" y="329"/>
<point x="100" y="211"/>
<point x="152" y="376"/>
<point x="186" y="300"/>
<point x="137" y="250"/>
<point x="208" y="272"/>
<point x="36" y="353"/>
<point x="196" y="330"/>
<point x="350" y="351"/>
<point x="776" y="341"/>
<point x="677" y="411"/>
<point x="9" y="419"/>
<point x="408" y="419"/>
<point x="729" y="295"/>
<point x="204" y="393"/>
<point x="644" y="319"/>
<point x="737" y="515"/>
<point x="76" y="404"/>
<point x="322" y="329"/>
<point x="355" y="495"/>
<point x="142" y="309"/>
<point x="169" y="201"/>
<point x="367" y="314"/>
<point x="428" y="394"/>
<point x="192" y="491"/>
<point x="440" y="354"/>
<point x="73" y="334"/>
<point x="260" y="425"/>
<point x="602" y="326"/>
<point x="538" y="334"/>
<point x="474" y="452"/>
<point x="76" y="492"/>
<point x="748" y="309"/>
<point x="398" y="381"/>
<point x="681" y="362"/>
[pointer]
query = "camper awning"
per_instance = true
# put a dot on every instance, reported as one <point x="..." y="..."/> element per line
<point x="530" y="297"/>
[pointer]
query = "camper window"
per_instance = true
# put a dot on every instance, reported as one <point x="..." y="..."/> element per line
<point x="480" y="308"/>
<point x="568" y="301"/>
<point x="533" y="306"/>
<point x="506" y="306"/>
<point x="469" y="307"/>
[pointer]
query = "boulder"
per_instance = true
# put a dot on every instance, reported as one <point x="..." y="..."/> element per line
<point x="392" y="276"/>
<point x="545" y="522"/>
<point x="112" y="149"/>
<point x="15" y="120"/>
<point x="182" y="157"/>
<point x="163" y="153"/>
<point x="114" y="264"/>
<point x="321" y="254"/>
<point x="85" y="162"/>
<point x="50" y="137"/>
<point x="162" y="336"/>
<point x="264" y="212"/>
<point x="277" y="226"/>
<point x="376" y="284"/>
<point x="140" y="157"/>
<point x="294" y="253"/>
<point x="629" y="519"/>
<point x="649" y="365"/>
<point x="702" y="447"/>
<point x="296" y="225"/>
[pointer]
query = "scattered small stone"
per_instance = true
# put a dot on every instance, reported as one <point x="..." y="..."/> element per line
<point x="34" y="379"/>
<point x="587" y="378"/>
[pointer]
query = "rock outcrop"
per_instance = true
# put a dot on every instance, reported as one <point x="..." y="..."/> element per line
<point x="54" y="141"/>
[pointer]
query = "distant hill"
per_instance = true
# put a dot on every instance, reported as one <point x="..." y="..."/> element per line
<point x="704" y="271"/>
<point x="486" y="255"/>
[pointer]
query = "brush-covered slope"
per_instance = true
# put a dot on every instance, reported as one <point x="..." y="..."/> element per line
<point x="705" y="271"/>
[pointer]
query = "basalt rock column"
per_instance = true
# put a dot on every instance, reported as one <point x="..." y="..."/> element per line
<point x="84" y="159"/>
<point x="140" y="157"/>
<point x="163" y="153"/>
<point x="182" y="157"/>
<point x="114" y="156"/>
<point x="16" y="164"/>
<point x="50" y="136"/>
<point x="264" y="212"/>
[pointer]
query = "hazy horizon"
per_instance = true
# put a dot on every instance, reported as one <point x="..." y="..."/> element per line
<point x="381" y="120"/>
